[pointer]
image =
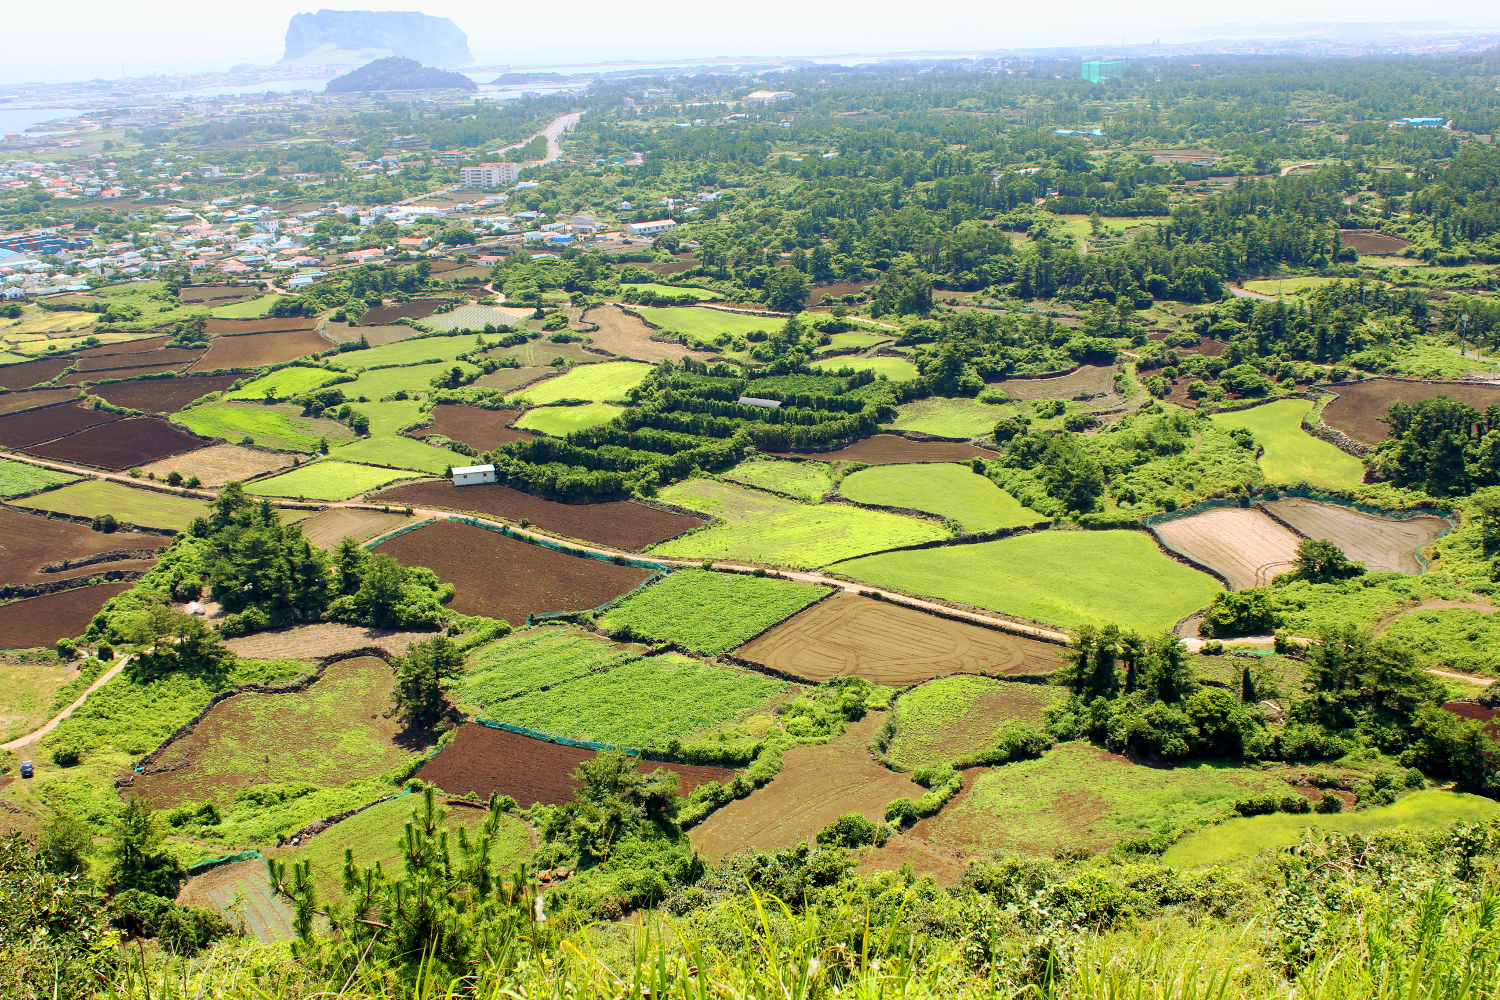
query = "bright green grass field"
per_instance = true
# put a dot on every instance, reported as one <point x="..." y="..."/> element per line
<point x="283" y="384"/>
<point x="953" y="491"/>
<point x="406" y="352"/>
<point x="1291" y="286"/>
<point x="561" y="420"/>
<point x="17" y="478"/>
<point x="400" y="453"/>
<point x="413" y="378"/>
<point x="952" y="719"/>
<point x="709" y="612"/>
<point x="1066" y="578"/>
<point x="1079" y="796"/>
<point x="767" y="529"/>
<point x="701" y="294"/>
<point x="1242" y="837"/>
<point x="895" y="369"/>
<point x="597" y="383"/>
<point x="145" y="507"/>
<point x="706" y="324"/>
<point x="376" y="834"/>
<point x="533" y="658"/>
<point x="641" y="703"/>
<point x="1291" y="454"/>
<point x="803" y="480"/>
<point x="245" y="308"/>
<point x="953" y="418"/>
<point x="326" y="480"/>
<point x="390" y="417"/>
<point x="852" y="340"/>
<point x="276" y="426"/>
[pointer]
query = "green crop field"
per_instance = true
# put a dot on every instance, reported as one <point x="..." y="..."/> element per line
<point x="1078" y="796"/>
<point x="895" y="369"/>
<point x="952" y="719"/>
<point x="390" y="417"/>
<point x="952" y="491"/>
<point x="1291" y="454"/>
<point x="561" y="420"/>
<point x="701" y="294"/>
<point x="279" y="425"/>
<point x="325" y="480"/>
<point x="407" y="352"/>
<point x="598" y="383"/>
<point x="412" y="378"/>
<point x="534" y="658"/>
<point x="1241" y="837"/>
<point x="98" y="496"/>
<point x="400" y="453"/>
<point x="853" y="340"/>
<point x="642" y="703"/>
<point x="804" y="480"/>
<point x="767" y="529"/>
<point x="952" y="418"/>
<point x="17" y="478"/>
<point x="283" y="384"/>
<point x="245" y="308"/>
<point x="706" y="324"/>
<point x="708" y="612"/>
<point x="1294" y="286"/>
<point x="1065" y="578"/>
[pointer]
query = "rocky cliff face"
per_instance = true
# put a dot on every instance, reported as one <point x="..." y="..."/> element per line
<point x="432" y="40"/>
<point x="397" y="73"/>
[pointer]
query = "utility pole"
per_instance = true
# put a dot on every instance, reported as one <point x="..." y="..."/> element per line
<point x="1463" y="337"/>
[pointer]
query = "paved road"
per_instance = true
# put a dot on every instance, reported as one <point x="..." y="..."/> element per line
<point x="32" y="737"/>
<point x="553" y="132"/>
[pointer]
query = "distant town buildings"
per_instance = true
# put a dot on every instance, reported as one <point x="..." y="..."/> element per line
<point x="767" y="96"/>
<point x="489" y="175"/>
<point x="649" y="228"/>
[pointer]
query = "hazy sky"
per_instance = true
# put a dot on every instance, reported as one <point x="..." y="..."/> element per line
<point x="79" y="39"/>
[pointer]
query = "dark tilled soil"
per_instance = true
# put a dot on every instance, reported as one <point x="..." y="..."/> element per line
<point x="889" y="449"/>
<point x="482" y="430"/>
<point x="18" y="430"/>
<point x="1360" y="404"/>
<point x="15" y="402"/>
<point x="29" y="373"/>
<point x="238" y="327"/>
<point x="122" y="444"/>
<point x="79" y="378"/>
<point x="621" y="524"/>
<point x="161" y="395"/>
<point x="41" y="621"/>
<point x="126" y="362"/>
<point x="415" y="309"/>
<point x="125" y="347"/>
<point x="255" y="349"/>
<point x="1373" y="244"/>
<point x="485" y="761"/>
<point x="1469" y="710"/>
<point x="500" y="577"/>
<point x="29" y="541"/>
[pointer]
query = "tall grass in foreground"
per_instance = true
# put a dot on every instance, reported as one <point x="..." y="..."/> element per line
<point x="1438" y="948"/>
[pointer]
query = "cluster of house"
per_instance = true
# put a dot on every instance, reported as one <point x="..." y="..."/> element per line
<point x="63" y="180"/>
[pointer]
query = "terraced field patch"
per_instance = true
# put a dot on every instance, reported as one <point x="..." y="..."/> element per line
<point x="326" y="480"/>
<point x="41" y="621"/>
<point x="952" y="719"/>
<point x="1360" y="405"/>
<point x="137" y="506"/>
<point x="1242" y="545"/>
<point x="951" y="491"/>
<point x="890" y="449"/>
<point x="601" y="383"/>
<point x="20" y="478"/>
<point x="708" y="612"/>
<point x="560" y="421"/>
<point x="122" y="444"/>
<point x="220" y="463"/>
<point x="895" y="369"/>
<point x="283" y="384"/>
<point x="952" y="418"/>
<point x="1381" y="543"/>
<point x="1291" y="454"/>
<point x="808" y="481"/>
<point x="401" y="453"/>
<point x="280" y="426"/>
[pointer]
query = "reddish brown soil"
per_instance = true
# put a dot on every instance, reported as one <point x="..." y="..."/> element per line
<point x="500" y="577"/>
<point x="889" y="449"/>
<point x="415" y="309"/>
<point x="816" y="786"/>
<point x="162" y="395"/>
<point x="1244" y="546"/>
<point x="891" y="644"/>
<point x="125" y="347"/>
<point x="30" y="541"/>
<point x="125" y="362"/>
<point x="41" y="621"/>
<point x="29" y="373"/>
<point x="1469" y="710"/>
<point x="17" y="430"/>
<point x="485" y="761"/>
<point x="675" y="267"/>
<point x="238" y="327"/>
<point x="217" y="293"/>
<point x="629" y="337"/>
<point x="1381" y="543"/>
<point x="482" y="430"/>
<point x="1372" y="244"/>
<point x="1359" y="404"/>
<point x="122" y="444"/>
<point x="838" y="290"/>
<point x="253" y="350"/>
<point x="15" y="402"/>
<point x="1207" y="346"/>
<point x="80" y="378"/>
<point x="621" y="524"/>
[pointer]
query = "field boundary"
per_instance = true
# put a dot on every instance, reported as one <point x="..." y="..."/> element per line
<point x="542" y="616"/>
<point x="546" y="543"/>
<point x="229" y="859"/>
<point x="560" y="740"/>
<point x="378" y="539"/>
<point x="11" y="593"/>
<point x="80" y="519"/>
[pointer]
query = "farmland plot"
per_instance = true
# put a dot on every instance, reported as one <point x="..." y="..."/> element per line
<point x="252" y="350"/>
<point x="219" y="464"/>
<point x="623" y="334"/>
<point x="1381" y="543"/>
<point x="1291" y="454"/>
<point x="1242" y="545"/>
<point x="28" y="542"/>
<point x="952" y="491"/>
<point x="890" y="449"/>
<point x="808" y="480"/>
<point x="20" y="430"/>
<point x="327" y="529"/>
<point x="161" y="395"/>
<point x="953" y="719"/>
<point x="280" y="426"/>
<point x="326" y="480"/>
<point x="560" y="421"/>
<point x="482" y="430"/>
<point x="708" y="612"/>
<point x="19" y="478"/>
<point x="602" y="383"/>
<point x="1360" y="405"/>
<point x="121" y="444"/>
<point x="150" y="508"/>
<point x="41" y="621"/>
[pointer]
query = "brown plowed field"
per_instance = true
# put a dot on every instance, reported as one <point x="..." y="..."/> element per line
<point x="1244" y="546"/>
<point x="112" y="362"/>
<point x="621" y="524"/>
<point x="1373" y="244"/>
<point x="162" y="395"/>
<point x="1207" y="346"/>
<point x="500" y="577"/>
<point x="219" y="464"/>
<point x="375" y="336"/>
<point x="511" y="379"/>
<point x="1360" y="403"/>
<point x="17" y="430"/>
<point x="415" y="309"/>
<point x="217" y="293"/>
<point x="15" y="402"/>
<point x="816" y="786"/>
<point x="626" y="335"/>
<point x="482" y="430"/>
<point x="327" y="529"/>
<point x="79" y="378"/>
<point x="29" y="373"/>
<point x="306" y="642"/>
<point x="1469" y="710"/>
<point x="1381" y="543"/>
<point x="121" y="444"/>
<point x="485" y="761"/>
<point x="1090" y="380"/>
<point x="41" y="621"/>
<point x="29" y="541"/>
<point x="125" y="347"/>
<point x="891" y="644"/>
<point x="238" y="327"/>
<point x="253" y="350"/>
<point x="891" y="449"/>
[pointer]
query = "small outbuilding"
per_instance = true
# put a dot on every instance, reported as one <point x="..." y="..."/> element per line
<point x="769" y="404"/>
<point x="472" y="475"/>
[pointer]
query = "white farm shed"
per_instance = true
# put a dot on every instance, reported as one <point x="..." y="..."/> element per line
<point x="470" y="475"/>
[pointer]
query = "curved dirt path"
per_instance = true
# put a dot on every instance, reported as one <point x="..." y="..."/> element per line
<point x="53" y="723"/>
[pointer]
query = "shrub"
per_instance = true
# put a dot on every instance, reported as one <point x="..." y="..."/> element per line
<point x="853" y="830"/>
<point x="1016" y="741"/>
<point x="1329" y="803"/>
